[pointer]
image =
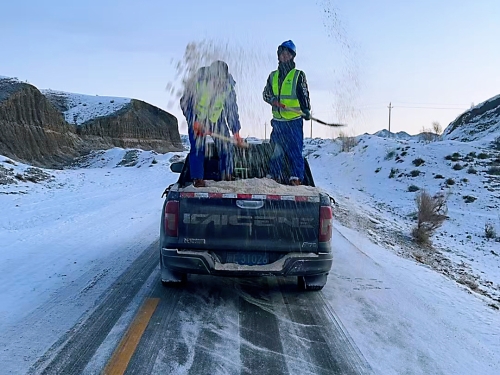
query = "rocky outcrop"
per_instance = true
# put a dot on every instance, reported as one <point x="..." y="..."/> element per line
<point x="31" y="129"/>
<point x="137" y="125"/>
<point x="34" y="126"/>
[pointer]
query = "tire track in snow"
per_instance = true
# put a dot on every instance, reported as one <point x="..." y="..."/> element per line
<point x="196" y="335"/>
<point x="71" y="353"/>
<point x="314" y="339"/>
<point x="261" y="348"/>
<point x="299" y="331"/>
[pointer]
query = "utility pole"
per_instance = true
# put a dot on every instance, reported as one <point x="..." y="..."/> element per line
<point x="390" y="107"/>
<point x="265" y="131"/>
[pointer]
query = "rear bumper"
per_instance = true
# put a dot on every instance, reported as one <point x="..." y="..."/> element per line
<point x="203" y="262"/>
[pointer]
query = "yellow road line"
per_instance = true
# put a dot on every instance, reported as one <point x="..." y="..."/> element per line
<point x="123" y="353"/>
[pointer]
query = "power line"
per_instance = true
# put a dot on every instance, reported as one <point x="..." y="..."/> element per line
<point x="434" y="104"/>
<point x="408" y="107"/>
<point x="402" y="106"/>
<point x="416" y="105"/>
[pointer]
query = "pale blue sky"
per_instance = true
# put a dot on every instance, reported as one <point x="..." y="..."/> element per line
<point x="438" y="54"/>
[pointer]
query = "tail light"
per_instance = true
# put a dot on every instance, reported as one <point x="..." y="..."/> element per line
<point x="172" y="218"/>
<point x="325" y="224"/>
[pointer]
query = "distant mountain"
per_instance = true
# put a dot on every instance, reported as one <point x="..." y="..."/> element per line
<point x="480" y="123"/>
<point x="47" y="127"/>
<point x="384" y="133"/>
<point x="424" y="136"/>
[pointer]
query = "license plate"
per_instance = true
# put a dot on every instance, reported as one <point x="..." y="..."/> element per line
<point x="248" y="259"/>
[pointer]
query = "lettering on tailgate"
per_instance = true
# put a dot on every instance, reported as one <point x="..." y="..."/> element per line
<point x="238" y="220"/>
<point x="198" y="241"/>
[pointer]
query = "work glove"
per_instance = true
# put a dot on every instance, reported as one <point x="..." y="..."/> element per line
<point x="238" y="140"/>
<point x="198" y="129"/>
<point x="276" y="103"/>
<point x="306" y="114"/>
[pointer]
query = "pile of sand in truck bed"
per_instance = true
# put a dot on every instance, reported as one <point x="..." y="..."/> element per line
<point x="253" y="186"/>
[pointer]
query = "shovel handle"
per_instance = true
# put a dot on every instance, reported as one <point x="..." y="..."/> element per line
<point x="314" y="118"/>
<point x="228" y="139"/>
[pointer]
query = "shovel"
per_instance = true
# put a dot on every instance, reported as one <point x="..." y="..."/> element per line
<point x="314" y="118"/>
<point x="224" y="138"/>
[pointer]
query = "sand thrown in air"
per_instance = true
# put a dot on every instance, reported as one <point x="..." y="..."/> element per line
<point x="245" y="66"/>
<point x="347" y="86"/>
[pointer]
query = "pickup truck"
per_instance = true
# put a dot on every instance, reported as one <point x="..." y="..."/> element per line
<point x="252" y="226"/>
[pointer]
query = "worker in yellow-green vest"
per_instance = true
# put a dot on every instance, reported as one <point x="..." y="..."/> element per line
<point x="287" y="92"/>
<point x="209" y="105"/>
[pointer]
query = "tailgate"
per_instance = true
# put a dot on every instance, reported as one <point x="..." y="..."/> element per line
<point x="278" y="223"/>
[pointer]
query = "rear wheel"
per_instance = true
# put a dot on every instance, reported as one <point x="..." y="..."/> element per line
<point x="312" y="283"/>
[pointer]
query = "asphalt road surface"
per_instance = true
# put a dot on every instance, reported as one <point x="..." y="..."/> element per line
<point x="212" y="325"/>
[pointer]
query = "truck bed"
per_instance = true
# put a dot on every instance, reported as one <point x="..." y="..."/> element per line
<point x="249" y="215"/>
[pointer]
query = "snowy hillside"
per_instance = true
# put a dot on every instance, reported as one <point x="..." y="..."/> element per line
<point x="79" y="108"/>
<point x="377" y="180"/>
<point x="481" y="123"/>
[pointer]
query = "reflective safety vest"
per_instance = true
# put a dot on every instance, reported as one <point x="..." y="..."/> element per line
<point x="287" y="95"/>
<point x="209" y="104"/>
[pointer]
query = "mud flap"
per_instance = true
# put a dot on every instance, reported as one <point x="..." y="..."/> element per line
<point x="169" y="278"/>
<point x="316" y="282"/>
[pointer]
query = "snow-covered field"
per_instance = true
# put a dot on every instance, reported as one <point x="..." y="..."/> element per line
<point x="409" y="310"/>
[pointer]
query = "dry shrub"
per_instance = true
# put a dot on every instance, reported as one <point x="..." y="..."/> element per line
<point x="496" y="143"/>
<point x="420" y="235"/>
<point x="431" y="213"/>
<point x="489" y="231"/>
<point x="390" y="155"/>
<point x="427" y="135"/>
<point x="418" y="162"/>
<point x="494" y="171"/>
<point x="348" y="143"/>
<point x="436" y="127"/>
